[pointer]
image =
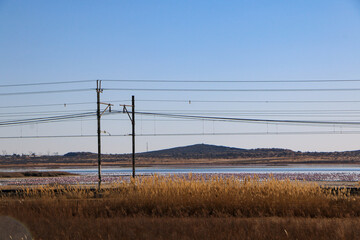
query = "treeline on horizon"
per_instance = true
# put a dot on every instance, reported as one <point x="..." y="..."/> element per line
<point x="197" y="151"/>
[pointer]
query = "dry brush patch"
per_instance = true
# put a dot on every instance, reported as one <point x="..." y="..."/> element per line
<point x="143" y="227"/>
<point x="193" y="204"/>
<point x="189" y="196"/>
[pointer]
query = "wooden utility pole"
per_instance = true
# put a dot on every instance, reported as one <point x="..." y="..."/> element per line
<point x="98" y="91"/>
<point x="132" y="119"/>
<point x="99" y="114"/>
<point x="133" y="135"/>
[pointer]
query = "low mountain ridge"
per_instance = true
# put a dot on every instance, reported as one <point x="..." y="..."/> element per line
<point x="192" y="154"/>
<point x="192" y="150"/>
<point x="214" y="151"/>
<point x="78" y="154"/>
<point x="197" y="151"/>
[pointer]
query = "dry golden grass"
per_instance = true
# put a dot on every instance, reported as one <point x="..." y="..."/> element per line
<point x="191" y="196"/>
<point x="188" y="208"/>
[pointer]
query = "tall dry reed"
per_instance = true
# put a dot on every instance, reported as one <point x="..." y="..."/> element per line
<point x="187" y="196"/>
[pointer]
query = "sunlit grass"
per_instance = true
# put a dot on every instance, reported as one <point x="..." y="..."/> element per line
<point x="192" y="196"/>
<point x="192" y="206"/>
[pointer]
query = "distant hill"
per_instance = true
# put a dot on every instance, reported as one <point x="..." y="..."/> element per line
<point x="214" y="151"/>
<point x="192" y="154"/>
<point x="78" y="154"/>
<point x="198" y="151"/>
<point x="193" y="151"/>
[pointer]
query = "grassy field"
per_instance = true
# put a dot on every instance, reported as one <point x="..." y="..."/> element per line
<point x="187" y="208"/>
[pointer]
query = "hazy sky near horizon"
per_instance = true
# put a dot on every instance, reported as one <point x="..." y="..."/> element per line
<point x="55" y="41"/>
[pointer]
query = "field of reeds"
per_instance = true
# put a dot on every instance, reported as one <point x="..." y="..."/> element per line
<point x="189" y="207"/>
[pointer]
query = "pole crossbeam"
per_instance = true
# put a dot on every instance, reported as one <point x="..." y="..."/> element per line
<point x="108" y="106"/>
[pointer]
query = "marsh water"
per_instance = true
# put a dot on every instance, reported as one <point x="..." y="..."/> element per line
<point x="201" y="170"/>
<point x="89" y="175"/>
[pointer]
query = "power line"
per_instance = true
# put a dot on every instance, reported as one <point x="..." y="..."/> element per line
<point x="46" y="92"/>
<point x="285" y="111"/>
<point x="182" y="81"/>
<point x="43" y="83"/>
<point x="249" y="119"/>
<point x="48" y="105"/>
<point x="239" y="111"/>
<point x="276" y="115"/>
<point x="210" y="118"/>
<point x="43" y="112"/>
<point x="187" y="120"/>
<point x="244" y="101"/>
<point x="232" y="81"/>
<point x="189" y="134"/>
<point x="233" y="90"/>
<point x="248" y="133"/>
<point x="180" y="101"/>
<point x="192" y="120"/>
<point x="46" y="119"/>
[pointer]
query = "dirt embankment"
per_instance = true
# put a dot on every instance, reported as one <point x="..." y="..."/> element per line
<point x="33" y="174"/>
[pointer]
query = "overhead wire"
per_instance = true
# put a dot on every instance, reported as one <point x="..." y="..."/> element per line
<point x="311" y="111"/>
<point x="180" y="81"/>
<point x="232" y="119"/>
<point x="47" y="105"/>
<point x="242" y="101"/>
<point x="192" y="117"/>
<point x="239" y="111"/>
<point x="47" y="92"/>
<point x="233" y="89"/>
<point x="186" y="134"/>
<point x="44" y="112"/>
<point x="231" y="81"/>
<point x="65" y="104"/>
<point x="45" y="119"/>
<point x="43" y="83"/>
<point x="248" y="119"/>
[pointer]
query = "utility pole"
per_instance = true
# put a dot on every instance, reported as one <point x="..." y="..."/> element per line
<point x="133" y="135"/>
<point x="132" y="119"/>
<point x="98" y="91"/>
<point x="99" y="114"/>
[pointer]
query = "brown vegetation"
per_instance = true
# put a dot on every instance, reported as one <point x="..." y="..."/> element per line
<point x="187" y="208"/>
<point x="33" y="174"/>
<point x="143" y="227"/>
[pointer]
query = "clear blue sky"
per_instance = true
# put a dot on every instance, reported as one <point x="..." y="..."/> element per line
<point x="50" y="41"/>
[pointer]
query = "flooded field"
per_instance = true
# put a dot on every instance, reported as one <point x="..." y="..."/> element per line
<point x="112" y="175"/>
